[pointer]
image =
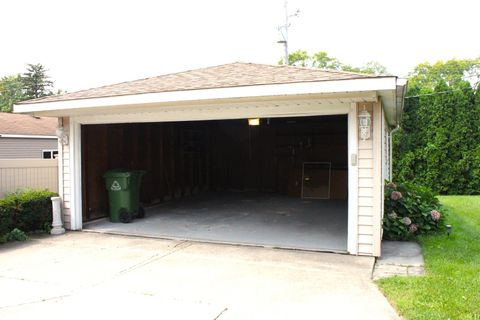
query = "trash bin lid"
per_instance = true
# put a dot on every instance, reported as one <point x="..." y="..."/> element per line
<point x="118" y="173"/>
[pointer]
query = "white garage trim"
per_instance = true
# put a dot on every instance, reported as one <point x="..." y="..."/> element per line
<point x="75" y="146"/>
<point x="228" y="113"/>
<point x="352" y="244"/>
<point x="217" y="113"/>
<point x="377" y="178"/>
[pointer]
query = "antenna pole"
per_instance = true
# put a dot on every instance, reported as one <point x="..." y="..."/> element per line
<point x="284" y="30"/>
<point x="285" y="37"/>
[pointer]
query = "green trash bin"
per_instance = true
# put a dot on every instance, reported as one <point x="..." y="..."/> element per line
<point x="124" y="194"/>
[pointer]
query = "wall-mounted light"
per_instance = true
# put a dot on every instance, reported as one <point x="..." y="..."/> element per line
<point x="62" y="137"/>
<point x="254" y="122"/>
<point x="365" y="124"/>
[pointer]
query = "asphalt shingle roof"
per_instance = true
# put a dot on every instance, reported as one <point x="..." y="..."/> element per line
<point x="223" y="76"/>
<point x="11" y="123"/>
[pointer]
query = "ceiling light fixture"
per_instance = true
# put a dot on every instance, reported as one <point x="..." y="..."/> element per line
<point x="254" y="121"/>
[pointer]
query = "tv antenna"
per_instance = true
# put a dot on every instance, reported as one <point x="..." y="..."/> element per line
<point x="283" y="29"/>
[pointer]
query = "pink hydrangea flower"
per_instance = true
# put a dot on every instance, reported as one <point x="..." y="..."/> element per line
<point x="407" y="221"/>
<point x="435" y="215"/>
<point x="396" y="195"/>
<point x="392" y="215"/>
<point x="392" y="185"/>
<point x="413" y="228"/>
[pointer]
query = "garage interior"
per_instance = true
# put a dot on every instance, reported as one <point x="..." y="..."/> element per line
<point x="281" y="183"/>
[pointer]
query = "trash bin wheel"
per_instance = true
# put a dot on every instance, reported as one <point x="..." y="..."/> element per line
<point x="141" y="213"/>
<point x="125" y="216"/>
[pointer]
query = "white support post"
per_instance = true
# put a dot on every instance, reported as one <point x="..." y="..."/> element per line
<point x="352" y="244"/>
<point x="377" y="179"/>
<point x="76" y="175"/>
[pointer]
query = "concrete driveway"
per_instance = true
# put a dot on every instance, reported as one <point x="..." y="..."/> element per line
<point x="88" y="276"/>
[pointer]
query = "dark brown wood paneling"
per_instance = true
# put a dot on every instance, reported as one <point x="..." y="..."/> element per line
<point x="95" y="149"/>
<point x="187" y="157"/>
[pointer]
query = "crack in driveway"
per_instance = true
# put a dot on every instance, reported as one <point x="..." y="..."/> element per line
<point x="155" y="257"/>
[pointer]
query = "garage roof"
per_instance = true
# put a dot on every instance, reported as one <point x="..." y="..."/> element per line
<point x="223" y="76"/>
<point x="227" y="84"/>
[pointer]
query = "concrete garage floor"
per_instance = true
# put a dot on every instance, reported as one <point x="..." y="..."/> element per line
<point x="83" y="275"/>
<point x="243" y="218"/>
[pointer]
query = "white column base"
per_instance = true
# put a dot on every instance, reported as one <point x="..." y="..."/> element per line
<point x="57" y="217"/>
<point x="57" y="231"/>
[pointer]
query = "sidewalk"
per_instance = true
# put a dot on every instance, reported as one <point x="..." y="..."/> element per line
<point x="399" y="258"/>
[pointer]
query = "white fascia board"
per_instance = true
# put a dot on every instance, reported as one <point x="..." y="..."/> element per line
<point x="26" y="136"/>
<point x="274" y="90"/>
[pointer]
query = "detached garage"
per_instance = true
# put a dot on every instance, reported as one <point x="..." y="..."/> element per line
<point x="239" y="153"/>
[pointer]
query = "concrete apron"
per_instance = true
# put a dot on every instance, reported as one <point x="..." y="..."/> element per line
<point x="267" y="220"/>
<point x="80" y="275"/>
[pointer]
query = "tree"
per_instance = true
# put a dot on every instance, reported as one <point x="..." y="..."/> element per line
<point x="299" y="58"/>
<point x="438" y="144"/>
<point x="374" y="67"/>
<point x="11" y="91"/>
<point x="321" y="59"/>
<point x="36" y="83"/>
<point x="427" y="76"/>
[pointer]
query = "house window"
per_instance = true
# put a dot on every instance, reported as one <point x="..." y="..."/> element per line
<point x="49" y="154"/>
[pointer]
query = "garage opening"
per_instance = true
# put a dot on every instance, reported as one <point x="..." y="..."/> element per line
<point x="281" y="183"/>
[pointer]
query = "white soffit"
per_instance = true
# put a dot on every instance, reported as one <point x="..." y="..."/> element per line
<point x="292" y="102"/>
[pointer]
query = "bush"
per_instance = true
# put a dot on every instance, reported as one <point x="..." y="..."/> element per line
<point x="27" y="210"/>
<point x="16" y="235"/>
<point x="410" y="210"/>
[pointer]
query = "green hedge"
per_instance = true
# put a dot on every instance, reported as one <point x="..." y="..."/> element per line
<point x="26" y="210"/>
<point x="438" y="143"/>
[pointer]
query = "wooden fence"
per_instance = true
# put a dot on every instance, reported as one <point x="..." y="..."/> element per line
<point x="28" y="173"/>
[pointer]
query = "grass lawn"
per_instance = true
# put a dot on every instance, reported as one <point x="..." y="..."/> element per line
<point x="451" y="287"/>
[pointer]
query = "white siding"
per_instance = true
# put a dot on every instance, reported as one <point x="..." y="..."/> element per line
<point x="369" y="180"/>
<point x="365" y="191"/>
<point x="65" y="183"/>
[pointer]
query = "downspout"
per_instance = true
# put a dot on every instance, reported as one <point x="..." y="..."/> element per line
<point x="391" y="150"/>
<point x="402" y="85"/>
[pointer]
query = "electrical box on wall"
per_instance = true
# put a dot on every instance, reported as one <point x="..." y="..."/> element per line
<point x="353" y="159"/>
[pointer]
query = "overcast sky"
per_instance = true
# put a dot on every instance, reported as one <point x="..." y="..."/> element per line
<point x="87" y="43"/>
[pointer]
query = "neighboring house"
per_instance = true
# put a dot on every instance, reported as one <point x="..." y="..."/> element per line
<point x="189" y="131"/>
<point x="27" y="137"/>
